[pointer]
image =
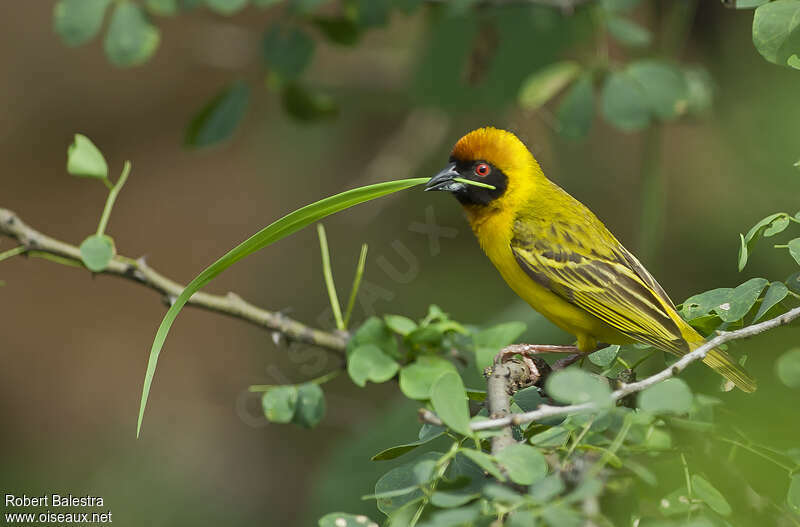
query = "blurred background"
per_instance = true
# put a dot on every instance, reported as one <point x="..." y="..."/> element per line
<point x="74" y="347"/>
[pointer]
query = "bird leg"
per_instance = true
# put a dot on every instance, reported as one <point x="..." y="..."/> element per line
<point x="526" y="351"/>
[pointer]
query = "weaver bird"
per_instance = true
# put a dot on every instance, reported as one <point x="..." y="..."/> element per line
<point x="560" y="258"/>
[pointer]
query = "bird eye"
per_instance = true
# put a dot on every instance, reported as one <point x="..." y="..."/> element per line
<point x="482" y="170"/>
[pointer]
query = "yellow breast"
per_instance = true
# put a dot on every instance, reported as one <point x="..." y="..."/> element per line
<point x="494" y="233"/>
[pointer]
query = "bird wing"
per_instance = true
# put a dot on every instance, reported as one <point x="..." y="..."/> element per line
<point x="604" y="279"/>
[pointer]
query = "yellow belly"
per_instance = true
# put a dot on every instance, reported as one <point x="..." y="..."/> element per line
<point x="588" y="329"/>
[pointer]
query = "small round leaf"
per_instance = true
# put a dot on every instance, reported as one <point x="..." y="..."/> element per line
<point x="218" y="119"/>
<point x="78" y="21"/>
<point x="523" y="463"/>
<point x="788" y="368"/>
<point x="370" y="363"/>
<point x="131" y="38"/>
<point x="97" y="252"/>
<point x="310" y="405"/>
<point x="670" y="396"/>
<point x="280" y="403"/>
<point x="576" y="386"/>
<point x="449" y="399"/>
<point x="417" y="378"/>
<point x="625" y="103"/>
<point x="84" y="159"/>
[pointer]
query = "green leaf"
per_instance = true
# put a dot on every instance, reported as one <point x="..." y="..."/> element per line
<point x="777" y="226"/>
<point x="280" y="403"/>
<point x="793" y="282"/>
<point x="788" y="368"/>
<point x="502" y="493"/>
<point x="374" y="331"/>
<point x="624" y="102"/>
<point x="794" y="249"/>
<point x="372" y="13"/>
<point x="265" y="3"/>
<point x="453" y="517"/>
<point x="277" y="230"/>
<point x="97" y="251"/>
<point x="484" y="461"/>
<point x="703" y="303"/>
<point x="218" y="119"/>
<point x="304" y="6"/>
<point x="523" y="463"/>
<point x="605" y="357"/>
<point x="664" y="87"/>
<point x="417" y="378"/>
<point x="776" y="292"/>
<point x="543" y="85"/>
<point x="84" y="159"/>
<point x="304" y="104"/>
<point x="370" y="363"/>
<point x="742" y="299"/>
<point x="310" y="405"/>
<point x="576" y="111"/>
<point x="448" y="499"/>
<point x="449" y="400"/>
<point x="755" y="233"/>
<point x="226" y="7"/>
<point x="776" y="30"/>
<point x="131" y="38"/>
<point x="575" y="386"/>
<point x="78" y="21"/>
<point x="628" y="32"/>
<point x="489" y="342"/>
<point x="793" y="496"/>
<point x="338" y="29"/>
<point x="547" y="489"/>
<point x="400" y="324"/>
<point x="408" y="476"/>
<point x="748" y="4"/>
<point x="672" y="396"/>
<point x="699" y="89"/>
<point x="162" y="7"/>
<point x="710" y="495"/>
<point x="529" y="398"/>
<point x="562" y="516"/>
<point x="676" y="502"/>
<point x="744" y="252"/>
<point x="399" y="450"/>
<point x="554" y="436"/>
<point x="618" y="5"/>
<point x="287" y="51"/>
<point x="343" y="519"/>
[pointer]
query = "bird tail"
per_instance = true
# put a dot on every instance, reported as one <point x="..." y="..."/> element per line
<point x="724" y="364"/>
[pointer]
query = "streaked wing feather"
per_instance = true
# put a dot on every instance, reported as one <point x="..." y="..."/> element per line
<point x="609" y="284"/>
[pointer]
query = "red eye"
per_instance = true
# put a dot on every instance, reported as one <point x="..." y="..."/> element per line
<point x="482" y="170"/>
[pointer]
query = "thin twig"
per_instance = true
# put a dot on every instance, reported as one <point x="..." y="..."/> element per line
<point x="545" y="411"/>
<point x="138" y="271"/>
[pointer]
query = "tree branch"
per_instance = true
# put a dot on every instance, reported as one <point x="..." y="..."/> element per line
<point x="498" y="402"/>
<point x="36" y="243"/>
<point x="545" y="411"/>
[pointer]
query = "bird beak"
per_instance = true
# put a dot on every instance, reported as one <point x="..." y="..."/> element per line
<point x="444" y="180"/>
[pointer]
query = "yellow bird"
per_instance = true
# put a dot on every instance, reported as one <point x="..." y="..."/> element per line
<point x="558" y="257"/>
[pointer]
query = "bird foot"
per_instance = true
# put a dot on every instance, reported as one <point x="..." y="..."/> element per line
<point x="526" y="352"/>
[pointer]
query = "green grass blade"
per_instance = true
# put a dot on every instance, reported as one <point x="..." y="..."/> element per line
<point x="362" y="261"/>
<point x="275" y="231"/>
<point x="327" y="273"/>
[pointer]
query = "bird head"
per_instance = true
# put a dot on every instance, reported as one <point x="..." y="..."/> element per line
<point x="486" y="155"/>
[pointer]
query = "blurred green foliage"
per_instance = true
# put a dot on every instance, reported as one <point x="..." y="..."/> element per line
<point x="677" y="460"/>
